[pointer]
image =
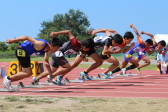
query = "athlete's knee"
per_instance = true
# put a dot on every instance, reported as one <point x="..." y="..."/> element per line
<point x="99" y="62"/>
<point x="148" y="62"/>
<point x="28" y="74"/>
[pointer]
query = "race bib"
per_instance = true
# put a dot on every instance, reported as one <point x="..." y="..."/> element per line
<point x="58" y="54"/>
<point x="21" y="53"/>
<point x="69" y="52"/>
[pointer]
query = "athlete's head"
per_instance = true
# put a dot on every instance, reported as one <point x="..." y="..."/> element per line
<point x="87" y="44"/>
<point x="161" y="44"/>
<point x="148" y="43"/>
<point x="128" y="36"/>
<point x="116" y="40"/>
<point x="55" y="44"/>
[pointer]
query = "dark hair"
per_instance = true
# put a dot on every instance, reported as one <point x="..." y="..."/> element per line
<point x="88" y="43"/>
<point x="128" y="35"/>
<point x="162" y="42"/>
<point x="56" y="42"/>
<point x="149" y="41"/>
<point x="117" y="39"/>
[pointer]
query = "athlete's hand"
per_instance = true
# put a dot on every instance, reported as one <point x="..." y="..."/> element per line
<point x="92" y="32"/>
<point x="85" y="59"/>
<point x="131" y="25"/>
<point x="10" y="41"/>
<point x="142" y="32"/>
<point x="132" y="45"/>
<point x="156" y="48"/>
<point x="100" y="28"/>
<point x="53" y="34"/>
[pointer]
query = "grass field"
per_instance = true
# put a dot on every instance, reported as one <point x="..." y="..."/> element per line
<point x="150" y="67"/>
<point x="70" y="59"/>
<point x="63" y="104"/>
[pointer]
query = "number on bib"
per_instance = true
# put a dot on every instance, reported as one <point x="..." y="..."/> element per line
<point x="21" y="53"/>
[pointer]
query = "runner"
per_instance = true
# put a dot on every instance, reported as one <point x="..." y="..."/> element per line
<point x="29" y="47"/>
<point x="71" y="47"/>
<point x="128" y="37"/>
<point x="142" y="53"/>
<point x="128" y="55"/>
<point x="104" y="42"/>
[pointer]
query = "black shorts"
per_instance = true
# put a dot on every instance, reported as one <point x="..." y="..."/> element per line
<point x="58" y="61"/>
<point x="90" y="52"/>
<point x="105" y="56"/>
<point x="23" y="57"/>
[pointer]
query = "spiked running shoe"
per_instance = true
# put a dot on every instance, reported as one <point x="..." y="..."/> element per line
<point x="138" y="70"/>
<point x="106" y="76"/>
<point x="82" y="75"/>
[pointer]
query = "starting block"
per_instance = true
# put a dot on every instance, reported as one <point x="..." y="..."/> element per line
<point x="47" y="83"/>
<point x="100" y="77"/>
<point x="126" y="75"/>
<point x="51" y="83"/>
<point x="21" y="85"/>
<point x="76" y="81"/>
<point x="3" y="90"/>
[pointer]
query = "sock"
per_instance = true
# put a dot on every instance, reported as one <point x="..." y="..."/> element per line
<point x="85" y="72"/>
<point x="8" y="78"/>
<point x="130" y="67"/>
<point x="116" y="70"/>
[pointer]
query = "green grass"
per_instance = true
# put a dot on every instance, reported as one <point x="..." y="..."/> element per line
<point x="69" y="59"/>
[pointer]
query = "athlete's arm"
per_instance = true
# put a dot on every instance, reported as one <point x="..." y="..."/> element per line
<point x="22" y="38"/>
<point x="107" y="51"/>
<point x="47" y="64"/>
<point x="107" y="31"/>
<point x="65" y="32"/>
<point x="104" y="30"/>
<point x="152" y="37"/>
<point x="127" y="49"/>
<point x="38" y="45"/>
<point x="136" y="32"/>
<point x="150" y="52"/>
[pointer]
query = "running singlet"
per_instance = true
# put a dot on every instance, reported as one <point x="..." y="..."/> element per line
<point x="28" y="47"/>
<point x="70" y="47"/>
<point x="136" y="48"/>
<point x="143" y="51"/>
<point x="101" y="41"/>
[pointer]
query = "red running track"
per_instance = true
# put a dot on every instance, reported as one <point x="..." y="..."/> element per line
<point x="149" y="84"/>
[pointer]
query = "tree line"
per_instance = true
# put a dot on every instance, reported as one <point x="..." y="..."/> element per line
<point x="74" y="20"/>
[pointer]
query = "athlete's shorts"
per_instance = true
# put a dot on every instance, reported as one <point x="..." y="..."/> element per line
<point x="90" y="52"/>
<point x="104" y="56"/>
<point x="127" y="57"/>
<point x="141" y="55"/>
<point x="58" y="61"/>
<point x="23" y="57"/>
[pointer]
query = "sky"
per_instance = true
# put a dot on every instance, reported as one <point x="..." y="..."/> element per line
<point x="23" y="17"/>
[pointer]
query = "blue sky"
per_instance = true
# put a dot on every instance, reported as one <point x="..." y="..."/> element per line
<point x="23" y="17"/>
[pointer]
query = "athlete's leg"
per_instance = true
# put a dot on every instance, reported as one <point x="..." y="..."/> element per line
<point x="95" y="56"/>
<point x="45" y="73"/>
<point x="114" y="62"/>
<point x="147" y="62"/>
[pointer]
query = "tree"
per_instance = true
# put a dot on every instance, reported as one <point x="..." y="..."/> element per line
<point x="12" y="46"/>
<point x="3" y="46"/>
<point x="75" y="21"/>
